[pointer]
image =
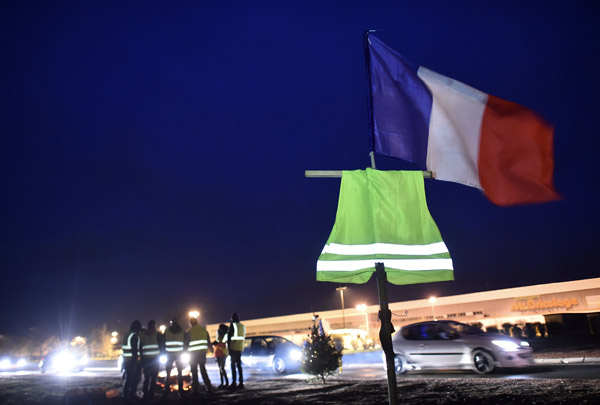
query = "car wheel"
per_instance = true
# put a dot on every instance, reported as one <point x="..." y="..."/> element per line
<point x="400" y="364"/>
<point x="483" y="362"/>
<point x="278" y="365"/>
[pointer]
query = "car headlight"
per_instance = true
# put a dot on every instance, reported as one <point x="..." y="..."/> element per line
<point x="21" y="363"/>
<point x="185" y="358"/>
<point x="506" y="345"/>
<point x="162" y="359"/>
<point x="4" y="364"/>
<point x="524" y="344"/>
<point x="64" y="361"/>
<point x="295" y="355"/>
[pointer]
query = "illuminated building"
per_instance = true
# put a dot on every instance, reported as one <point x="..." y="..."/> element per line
<point x="566" y="303"/>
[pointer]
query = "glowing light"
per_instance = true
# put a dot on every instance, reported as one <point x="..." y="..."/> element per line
<point x="163" y="359"/>
<point x="113" y="340"/>
<point x="185" y="358"/>
<point x="64" y="361"/>
<point x="506" y="345"/>
<point x="162" y="328"/>
<point x="341" y="290"/>
<point x="363" y="309"/>
<point x="4" y="364"/>
<point x="432" y="301"/>
<point x="21" y="362"/>
<point x="114" y="334"/>
<point x="194" y="314"/>
<point x="296" y="355"/>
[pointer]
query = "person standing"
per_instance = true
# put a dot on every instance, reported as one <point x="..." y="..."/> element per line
<point x="150" y="353"/>
<point x="197" y="347"/>
<point x="235" y="343"/>
<point x="131" y="367"/>
<point x="221" y="353"/>
<point x="174" y="345"/>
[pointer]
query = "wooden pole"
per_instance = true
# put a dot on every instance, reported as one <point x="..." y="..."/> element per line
<point x="385" y="333"/>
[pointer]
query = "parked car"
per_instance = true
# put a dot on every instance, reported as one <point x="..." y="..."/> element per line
<point x="63" y="360"/>
<point x="271" y="352"/>
<point x="454" y="345"/>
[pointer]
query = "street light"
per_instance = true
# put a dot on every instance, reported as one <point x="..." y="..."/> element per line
<point x="341" y="290"/>
<point x="113" y="337"/>
<point x="363" y="308"/>
<point x="194" y="314"/>
<point x="162" y="329"/>
<point x="432" y="300"/>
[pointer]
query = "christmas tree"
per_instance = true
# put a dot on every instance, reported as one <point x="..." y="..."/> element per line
<point x="319" y="355"/>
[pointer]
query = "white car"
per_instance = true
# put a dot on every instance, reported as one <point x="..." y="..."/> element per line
<point x="454" y="345"/>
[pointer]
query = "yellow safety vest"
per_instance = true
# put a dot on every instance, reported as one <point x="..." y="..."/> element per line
<point x="126" y="347"/>
<point x="174" y="341"/>
<point x="149" y="345"/>
<point x="198" y="338"/>
<point x="236" y="339"/>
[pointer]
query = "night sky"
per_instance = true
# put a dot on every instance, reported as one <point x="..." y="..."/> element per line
<point x="152" y="154"/>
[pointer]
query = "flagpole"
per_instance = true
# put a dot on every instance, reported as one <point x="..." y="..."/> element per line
<point x="369" y="96"/>
<point x="385" y="315"/>
<point x="385" y="333"/>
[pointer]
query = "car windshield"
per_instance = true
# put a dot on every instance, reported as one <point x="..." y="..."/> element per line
<point x="275" y="341"/>
<point x="465" y="329"/>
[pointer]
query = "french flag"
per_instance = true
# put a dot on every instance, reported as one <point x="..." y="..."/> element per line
<point x="459" y="133"/>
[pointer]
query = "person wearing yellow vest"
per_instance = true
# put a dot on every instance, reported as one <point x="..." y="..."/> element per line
<point x="235" y="343"/>
<point x="150" y="353"/>
<point x="174" y="346"/>
<point x="198" y="339"/>
<point x="131" y="366"/>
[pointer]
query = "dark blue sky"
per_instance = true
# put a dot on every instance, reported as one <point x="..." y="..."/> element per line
<point x="152" y="155"/>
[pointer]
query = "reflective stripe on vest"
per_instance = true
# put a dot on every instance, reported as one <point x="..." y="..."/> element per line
<point x="150" y="350"/>
<point x="236" y="340"/>
<point x="198" y="338"/>
<point x="198" y="345"/>
<point x="149" y="345"/>
<point x="174" y="341"/>
<point x="174" y="346"/>
<point x="236" y="334"/>
<point x="127" y="346"/>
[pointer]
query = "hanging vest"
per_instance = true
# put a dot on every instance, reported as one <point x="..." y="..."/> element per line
<point x="174" y="341"/>
<point x="149" y="345"/>
<point x="236" y="340"/>
<point x="382" y="217"/>
<point x="198" y="338"/>
<point x="127" y="345"/>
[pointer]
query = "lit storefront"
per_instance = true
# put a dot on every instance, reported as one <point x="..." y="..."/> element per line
<point x="520" y="305"/>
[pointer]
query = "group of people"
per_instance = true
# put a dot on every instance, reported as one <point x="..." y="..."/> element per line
<point x="142" y="349"/>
